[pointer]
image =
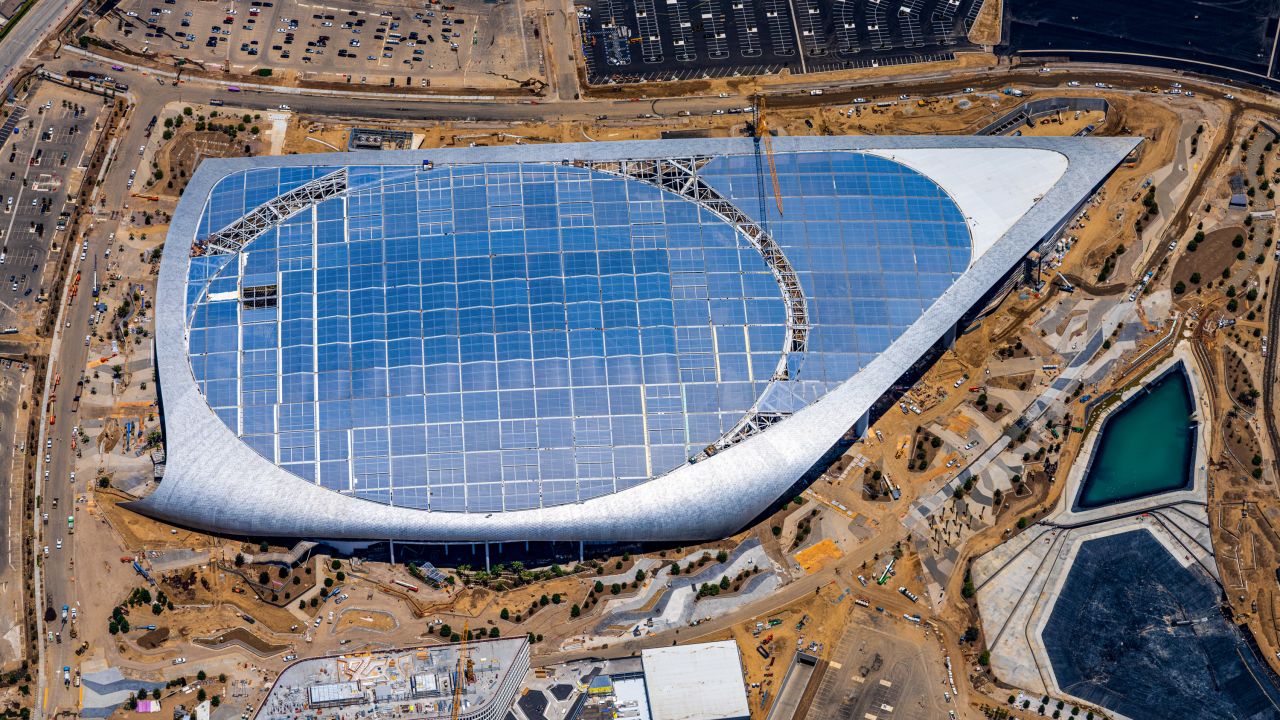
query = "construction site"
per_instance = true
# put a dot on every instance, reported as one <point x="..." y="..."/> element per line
<point x="472" y="680"/>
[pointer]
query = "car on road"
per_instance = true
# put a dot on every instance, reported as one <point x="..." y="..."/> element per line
<point x="290" y="657"/>
<point x="179" y="661"/>
<point x="59" y="544"/>
<point x="66" y="675"/>
<point x="46" y="549"/>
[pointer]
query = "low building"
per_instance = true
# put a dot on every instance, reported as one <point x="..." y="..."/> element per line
<point x="696" y="682"/>
<point x="335" y="694"/>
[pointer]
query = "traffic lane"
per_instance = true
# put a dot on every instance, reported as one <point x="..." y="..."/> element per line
<point x="60" y="577"/>
<point x="60" y="573"/>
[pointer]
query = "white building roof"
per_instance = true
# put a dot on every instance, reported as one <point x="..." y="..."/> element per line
<point x="696" y="682"/>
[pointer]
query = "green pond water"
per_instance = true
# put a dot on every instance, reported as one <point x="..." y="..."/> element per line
<point x="1145" y="446"/>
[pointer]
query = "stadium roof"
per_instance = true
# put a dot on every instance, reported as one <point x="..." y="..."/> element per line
<point x="566" y="342"/>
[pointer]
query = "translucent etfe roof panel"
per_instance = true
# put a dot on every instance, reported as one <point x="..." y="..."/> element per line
<point x="507" y="336"/>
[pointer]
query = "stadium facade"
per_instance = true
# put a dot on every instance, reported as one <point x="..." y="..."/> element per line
<point x="633" y="341"/>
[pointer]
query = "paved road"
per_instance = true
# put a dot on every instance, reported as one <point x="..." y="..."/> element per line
<point x="69" y="356"/>
<point x="32" y="28"/>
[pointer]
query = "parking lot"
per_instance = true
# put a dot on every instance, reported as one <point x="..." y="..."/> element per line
<point x="637" y="40"/>
<point x="883" y="668"/>
<point x="461" y="42"/>
<point x="43" y="152"/>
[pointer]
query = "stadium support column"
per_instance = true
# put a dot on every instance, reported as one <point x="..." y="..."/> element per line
<point x="949" y="337"/>
<point x="861" y="425"/>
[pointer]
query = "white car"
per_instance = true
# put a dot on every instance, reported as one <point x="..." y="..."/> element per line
<point x="142" y="150"/>
<point x="968" y="90"/>
<point x="59" y="547"/>
<point x="73" y="477"/>
<point x="1073" y="83"/>
<point x="179" y="661"/>
<point x="284" y="107"/>
<point x="46" y="549"/>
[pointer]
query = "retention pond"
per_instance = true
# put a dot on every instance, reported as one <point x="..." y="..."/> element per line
<point x="1145" y="447"/>
<point x="1136" y="632"/>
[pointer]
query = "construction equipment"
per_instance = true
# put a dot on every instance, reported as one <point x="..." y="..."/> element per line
<point x="764" y="143"/>
<point x="464" y="671"/>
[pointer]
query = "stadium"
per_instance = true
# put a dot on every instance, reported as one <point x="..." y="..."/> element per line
<point x="613" y="341"/>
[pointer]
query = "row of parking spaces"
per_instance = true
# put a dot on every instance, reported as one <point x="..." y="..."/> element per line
<point x="383" y="40"/>
<point x="42" y="147"/>
<point x="657" y="38"/>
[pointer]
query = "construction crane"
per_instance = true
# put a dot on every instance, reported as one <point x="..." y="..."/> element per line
<point x="463" y="672"/>
<point x="764" y="146"/>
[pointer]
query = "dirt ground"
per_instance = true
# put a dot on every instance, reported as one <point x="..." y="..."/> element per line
<point x="358" y="619"/>
<point x="1210" y="258"/>
<point x="987" y="29"/>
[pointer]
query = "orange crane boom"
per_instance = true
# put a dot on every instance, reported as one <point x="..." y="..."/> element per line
<point x="461" y="671"/>
<point x="762" y="131"/>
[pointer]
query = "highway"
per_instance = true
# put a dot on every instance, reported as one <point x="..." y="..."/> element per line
<point x="43" y="17"/>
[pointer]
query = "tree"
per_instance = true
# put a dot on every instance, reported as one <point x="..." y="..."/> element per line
<point x="544" y="600"/>
<point x="335" y="564"/>
<point x="493" y="632"/>
<point x="639" y="576"/>
<point x="215" y="701"/>
<point x="302" y="604"/>
<point x="614" y="589"/>
<point x="505" y="614"/>
<point x="201" y="676"/>
<point x="599" y="587"/>
<point x="575" y="611"/>
<point x="202" y="695"/>
<point x="1022" y="523"/>
<point x="239" y="559"/>
<point x="984" y="658"/>
<point x="555" y="599"/>
<point x="328" y="582"/>
<point x="455" y="637"/>
<point x="722" y="556"/>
